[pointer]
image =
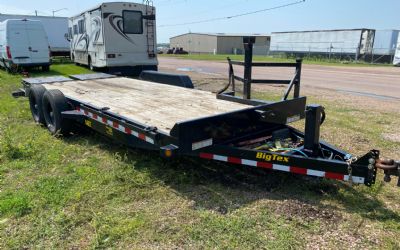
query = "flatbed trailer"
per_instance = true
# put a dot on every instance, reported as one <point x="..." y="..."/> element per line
<point x="178" y="121"/>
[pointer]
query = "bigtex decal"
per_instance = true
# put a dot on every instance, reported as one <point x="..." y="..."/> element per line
<point x="269" y="157"/>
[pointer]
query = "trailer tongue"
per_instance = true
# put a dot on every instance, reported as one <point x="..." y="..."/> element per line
<point x="178" y="121"/>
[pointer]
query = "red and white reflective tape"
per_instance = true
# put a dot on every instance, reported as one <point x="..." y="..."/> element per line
<point x="115" y="125"/>
<point x="291" y="169"/>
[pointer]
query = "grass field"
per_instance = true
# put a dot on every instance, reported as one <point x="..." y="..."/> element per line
<point x="322" y="61"/>
<point x="85" y="192"/>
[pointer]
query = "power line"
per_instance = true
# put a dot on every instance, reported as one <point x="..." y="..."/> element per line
<point x="234" y="16"/>
<point x="216" y="8"/>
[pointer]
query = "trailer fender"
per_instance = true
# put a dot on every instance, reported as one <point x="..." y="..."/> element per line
<point x="167" y="78"/>
<point x="54" y="104"/>
<point x="36" y="93"/>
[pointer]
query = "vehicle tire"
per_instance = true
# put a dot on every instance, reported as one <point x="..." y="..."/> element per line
<point x="90" y="64"/>
<point x="53" y="104"/>
<point x="45" y="68"/>
<point x="35" y="95"/>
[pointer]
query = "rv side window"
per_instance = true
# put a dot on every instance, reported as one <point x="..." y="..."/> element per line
<point x="133" y="22"/>
<point x="75" y="29"/>
<point x="81" y="26"/>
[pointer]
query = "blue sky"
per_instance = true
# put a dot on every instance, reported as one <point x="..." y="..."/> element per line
<point x="312" y="14"/>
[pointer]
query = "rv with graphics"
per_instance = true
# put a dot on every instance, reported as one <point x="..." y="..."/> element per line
<point x="396" y="60"/>
<point x="115" y="35"/>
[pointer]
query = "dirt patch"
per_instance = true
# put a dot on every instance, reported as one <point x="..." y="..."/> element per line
<point x="307" y="212"/>
<point x="395" y="137"/>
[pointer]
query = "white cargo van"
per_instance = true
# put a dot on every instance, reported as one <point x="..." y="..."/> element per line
<point x="23" y="43"/>
<point x="115" y="35"/>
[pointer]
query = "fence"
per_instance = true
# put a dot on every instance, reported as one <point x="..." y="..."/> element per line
<point x="333" y="52"/>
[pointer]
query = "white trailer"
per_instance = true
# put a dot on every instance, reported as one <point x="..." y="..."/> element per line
<point x="55" y="27"/>
<point x="396" y="60"/>
<point x="352" y="42"/>
<point x="115" y="35"/>
<point x="385" y="42"/>
<point x="23" y="43"/>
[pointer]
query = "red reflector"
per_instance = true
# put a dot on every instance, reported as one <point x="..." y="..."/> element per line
<point x="264" y="165"/>
<point x="110" y="55"/>
<point x="206" y="156"/>
<point x="334" y="176"/>
<point x="234" y="160"/>
<point x="8" y="52"/>
<point x="297" y="170"/>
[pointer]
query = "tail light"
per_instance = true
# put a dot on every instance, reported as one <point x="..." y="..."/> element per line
<point x="8" y="52"/>
<point x="49" y="51"/>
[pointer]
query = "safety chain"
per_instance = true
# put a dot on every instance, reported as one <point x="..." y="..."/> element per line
<point x="350" y="169"/>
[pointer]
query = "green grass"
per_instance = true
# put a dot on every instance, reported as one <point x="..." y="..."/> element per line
<point x="314" y="61"/>
<point x="86" y="192"/>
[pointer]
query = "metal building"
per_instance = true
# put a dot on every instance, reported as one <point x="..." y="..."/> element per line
<point x="354" y="42"/>
<point x="219" y="43"/>
<point x="56" y="28"/>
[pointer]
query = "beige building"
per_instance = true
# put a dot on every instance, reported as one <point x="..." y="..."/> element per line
<point x="219" y="43"/>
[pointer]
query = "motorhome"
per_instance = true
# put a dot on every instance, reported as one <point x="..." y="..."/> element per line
<point x="396" y="60"/>
<point x="23" y="43"/>
<point x="115" y="35"/>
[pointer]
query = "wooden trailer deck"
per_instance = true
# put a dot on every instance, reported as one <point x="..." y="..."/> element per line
<point x="149" y="103"/>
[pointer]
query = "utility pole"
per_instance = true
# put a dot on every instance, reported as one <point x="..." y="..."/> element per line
<point x="54" y="11"/>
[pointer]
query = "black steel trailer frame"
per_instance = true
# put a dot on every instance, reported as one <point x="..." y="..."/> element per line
<point x="225" y="137"/>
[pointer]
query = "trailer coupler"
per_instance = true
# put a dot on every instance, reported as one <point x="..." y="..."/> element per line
<point x="390" y="168"/>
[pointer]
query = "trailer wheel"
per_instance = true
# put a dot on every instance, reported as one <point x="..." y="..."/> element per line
<point x="45" y="68"/>
<point x="54" y="103"/>
<point x="36" y="93"/>
<point x="90" y="64"/>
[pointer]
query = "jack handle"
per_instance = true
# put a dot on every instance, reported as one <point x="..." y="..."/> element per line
<point x="390" y="168"/>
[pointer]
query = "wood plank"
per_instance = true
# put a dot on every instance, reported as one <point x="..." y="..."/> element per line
<point x="153" y="104"/>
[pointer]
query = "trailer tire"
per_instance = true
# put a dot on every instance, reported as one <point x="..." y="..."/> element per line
<point x="46" y="68"/>
<point x="35" y="95"/>
<point x="90" y="64"/>
<point x="54" y="103"/>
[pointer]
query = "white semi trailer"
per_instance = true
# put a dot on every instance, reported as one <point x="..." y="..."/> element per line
<point x="353" y="42"/>
<point x="396" y="60"/>
<point x="115" y="35"/>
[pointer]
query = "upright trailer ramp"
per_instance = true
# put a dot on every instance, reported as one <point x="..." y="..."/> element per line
<point x="149" y="103"/>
